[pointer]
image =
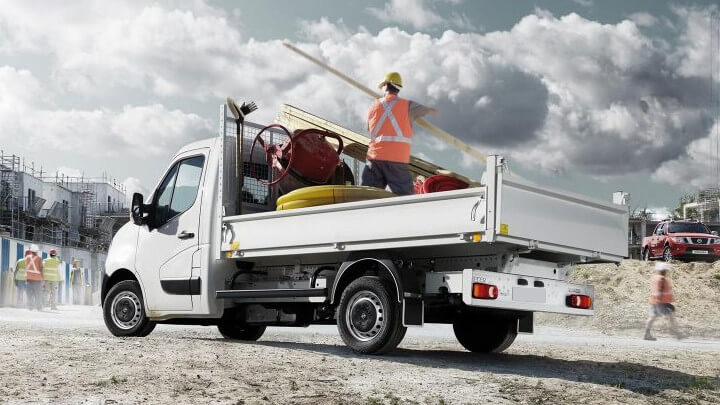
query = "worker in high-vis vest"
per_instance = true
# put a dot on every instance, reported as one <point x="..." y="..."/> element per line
<point x="77" y="282"/>
<point x="390" y="126"/>
<point x="661" y="298"/>
<point x="34" y="276"/>
<point x="51" y="275"/>
<point x="20" y="281"/>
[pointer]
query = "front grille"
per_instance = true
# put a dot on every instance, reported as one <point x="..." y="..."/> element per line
<point x="699" y="241"/>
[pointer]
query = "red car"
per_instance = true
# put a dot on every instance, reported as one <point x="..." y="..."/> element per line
<point x="681" y="240"/>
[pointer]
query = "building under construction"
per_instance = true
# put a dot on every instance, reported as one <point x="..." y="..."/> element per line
<point x="60" y="210"/>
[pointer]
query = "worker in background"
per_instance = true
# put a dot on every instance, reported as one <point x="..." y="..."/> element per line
<point x="21" y="281"/>
<point x="661" y="298"/>
<point x="76" y="280"/>
<point x="34" y="275"/>
<point x="51" y="275"/>
<point x="390" y="126"/>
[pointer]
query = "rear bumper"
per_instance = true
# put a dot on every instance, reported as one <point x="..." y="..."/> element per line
<point x="525" y="293"/>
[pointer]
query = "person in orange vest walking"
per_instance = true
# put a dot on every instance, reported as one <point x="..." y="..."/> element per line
<point x="661" y="298"/>
<point x="34" y="275"/>
<point x="390" y="126"/>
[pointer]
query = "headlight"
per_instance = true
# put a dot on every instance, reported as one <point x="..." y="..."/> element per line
<point x="714" y="241"/>
<point x="678" y="239"/>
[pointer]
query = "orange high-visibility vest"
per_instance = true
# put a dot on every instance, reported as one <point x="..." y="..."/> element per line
<point x="33" y="265"/>
<point x="390" y="129"/>
<point x="661" y="290"/>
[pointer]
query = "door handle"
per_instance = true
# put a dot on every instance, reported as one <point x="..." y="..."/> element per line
<point x="186" y="235"/>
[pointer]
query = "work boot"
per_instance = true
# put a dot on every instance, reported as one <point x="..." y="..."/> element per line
<point x="648" y="336"/>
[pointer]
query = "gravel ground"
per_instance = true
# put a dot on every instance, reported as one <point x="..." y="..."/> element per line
<point x="67" y="356"/>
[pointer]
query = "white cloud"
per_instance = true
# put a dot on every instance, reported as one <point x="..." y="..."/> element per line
<point x="559" y="93"/>
<point x="419" y="14"/>
<point x="643" y="19"/>
<point x="659" y="213"/>
<point x="64" y="171"/>
<point x="323" y="29"/>
<point x="584" y="3"/>
<point x="27" y="113"/>
<point x="134" y="185"/>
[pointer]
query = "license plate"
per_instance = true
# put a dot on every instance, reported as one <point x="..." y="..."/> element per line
<point x="700" y="252"/>
<point x="525" y="294"/>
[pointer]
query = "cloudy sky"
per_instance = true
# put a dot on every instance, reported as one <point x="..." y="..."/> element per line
<point x="586" y="95"/>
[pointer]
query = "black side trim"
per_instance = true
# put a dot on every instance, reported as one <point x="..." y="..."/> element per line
<point x="195" y="284"/>
<point x="182" y="287"/>
<point x="273" y="293"/>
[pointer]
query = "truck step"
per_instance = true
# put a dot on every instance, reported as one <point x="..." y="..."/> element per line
<point x="273" y="293"/>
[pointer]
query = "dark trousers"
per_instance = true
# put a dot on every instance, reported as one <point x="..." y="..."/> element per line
<point x="381" y="173"/>
<point x="35" y="294"/>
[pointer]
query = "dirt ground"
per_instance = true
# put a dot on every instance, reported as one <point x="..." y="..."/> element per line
<point x="621" y="298"/>
<point x="67" y="356"/>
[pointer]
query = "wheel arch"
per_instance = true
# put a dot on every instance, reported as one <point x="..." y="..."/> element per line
<point x="352" y="270"/>
<point x="117" y="276"/>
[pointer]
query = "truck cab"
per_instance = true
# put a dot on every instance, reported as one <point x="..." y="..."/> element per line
<point x="208" y="247"/>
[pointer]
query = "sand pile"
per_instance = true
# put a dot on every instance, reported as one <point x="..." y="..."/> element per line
<point x="621" y="298"/>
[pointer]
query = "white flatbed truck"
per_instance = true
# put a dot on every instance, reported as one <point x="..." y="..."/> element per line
<point x="483" y="259"/>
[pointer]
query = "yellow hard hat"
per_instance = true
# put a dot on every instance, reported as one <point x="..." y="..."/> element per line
<point x="393" y="78"/>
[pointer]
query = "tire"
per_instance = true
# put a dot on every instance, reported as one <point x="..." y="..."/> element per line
<point x="369" y="317"/>
<point x="667" y="254"/>
<point x="237" y="331"/>
<point x="124" y="311"/>
<point x="646" y="255"/>
<point x="480" y="334"/>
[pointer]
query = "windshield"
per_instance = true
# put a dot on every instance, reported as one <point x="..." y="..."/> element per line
<point x="692" y="227"/>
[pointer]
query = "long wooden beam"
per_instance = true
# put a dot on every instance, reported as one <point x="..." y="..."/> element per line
<point x="450" y="139"/>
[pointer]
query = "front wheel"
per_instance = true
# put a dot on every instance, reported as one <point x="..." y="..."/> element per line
<point x="484" y="334"/>
<point x="646" y="254"/>
<point x="369" y="316"/>
<point x="667" y="254"/>
<point x="124" y="311"/>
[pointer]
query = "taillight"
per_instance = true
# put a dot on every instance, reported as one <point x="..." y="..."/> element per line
<point x="579" y="301"/>
<point x="484" y="291"/>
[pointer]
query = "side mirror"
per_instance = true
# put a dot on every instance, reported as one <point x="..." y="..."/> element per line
<point x="714" y="233"/>
<point x="137" y="209"/>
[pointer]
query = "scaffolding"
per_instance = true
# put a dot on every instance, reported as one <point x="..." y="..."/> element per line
<point x="9" y="192"/>
<point x="705" y="208"/>
<point x="74" y="216"/>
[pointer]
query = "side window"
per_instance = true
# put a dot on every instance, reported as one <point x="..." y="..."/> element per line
<point x="660" y="229"/>
<point x="179" y="189"/>
<point x="187" y="184"/>
<point x="164" y="197"/>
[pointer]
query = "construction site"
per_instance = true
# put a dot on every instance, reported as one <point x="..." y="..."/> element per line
<point x="76" y="216"/>
<point x="345" y="244"/>
<point x="79" y="212"/>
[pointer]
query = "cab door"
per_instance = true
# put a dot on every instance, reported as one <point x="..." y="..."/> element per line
<point x="657" y="241"/>
<point x="167" y="244"/>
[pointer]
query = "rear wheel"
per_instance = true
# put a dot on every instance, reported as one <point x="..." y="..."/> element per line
<point x="369" y="316"/>
<point x="124" y="311"/>
<point x="481" y="334"/>
<point x="667" y="254"/>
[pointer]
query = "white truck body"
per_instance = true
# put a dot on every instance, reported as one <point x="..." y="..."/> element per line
<point x="518" y="236"/>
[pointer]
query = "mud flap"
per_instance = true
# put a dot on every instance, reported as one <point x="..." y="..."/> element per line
<point x="525" y="323"/>
<point x="413" y="312"/>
